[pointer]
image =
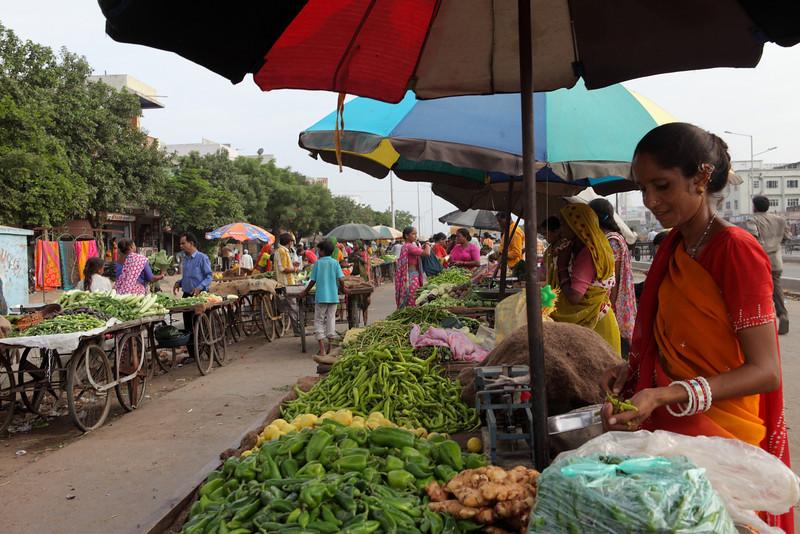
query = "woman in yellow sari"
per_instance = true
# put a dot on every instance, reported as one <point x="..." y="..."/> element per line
<point x="584" y="275"/>
<point x="704" y="355"/>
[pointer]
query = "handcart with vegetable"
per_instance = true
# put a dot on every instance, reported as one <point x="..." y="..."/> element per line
<point x="258" y="308"/>
<point x="208" y="334"/>
<point x="76" y="352"/>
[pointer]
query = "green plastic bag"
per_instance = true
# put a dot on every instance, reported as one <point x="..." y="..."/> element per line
<point x="614" y="494"/>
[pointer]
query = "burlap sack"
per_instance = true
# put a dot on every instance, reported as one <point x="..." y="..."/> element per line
<point x="574" y="359"/>
<point x="5" y="327"/>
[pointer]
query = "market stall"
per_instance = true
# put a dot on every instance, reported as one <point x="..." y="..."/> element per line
<point x="76" y="352"/>
<point x="258" y="309"/>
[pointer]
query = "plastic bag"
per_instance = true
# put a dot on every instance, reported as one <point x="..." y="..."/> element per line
<point x="609" y="494"/>
<point x="747" y="478"/>
<point x="509" y="314"/>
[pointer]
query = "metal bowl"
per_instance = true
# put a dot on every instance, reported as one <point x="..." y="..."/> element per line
<point x="571" y="430"/>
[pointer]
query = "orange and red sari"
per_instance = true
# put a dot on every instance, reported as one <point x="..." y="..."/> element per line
<point x="690" y="313"/>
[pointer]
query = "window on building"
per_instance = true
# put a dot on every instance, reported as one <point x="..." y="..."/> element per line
<point x="728" y="205"/>
<point x="791" y="184"/>
<point x="756" y="184"/>
<point x="774" y="202"/>
<point x="772" y="184"/>
<point x="792" y="202"/>
<point x="736" y="204"/>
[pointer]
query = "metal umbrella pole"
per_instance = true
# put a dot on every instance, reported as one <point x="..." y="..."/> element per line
<point x="506" y="242"/>
<point x="535" y="337"/>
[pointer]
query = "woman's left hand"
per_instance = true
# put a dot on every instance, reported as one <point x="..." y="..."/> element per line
<point x="645" y="401"/>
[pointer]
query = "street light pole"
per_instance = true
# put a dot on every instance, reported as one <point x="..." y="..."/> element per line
<point x="419" y="212"/>
<point x="391" y="197"/>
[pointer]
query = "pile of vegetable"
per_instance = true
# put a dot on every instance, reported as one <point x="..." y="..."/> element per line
<point x="388" y="258"/>
<point x="454" y="276"/>
<point x="62" y="324"/>
<point x="409" y="390"/>
<point x="379" y="335"/>
<point x="159" y="261"/>
<point x="123" y="307"/>
<point x="329" y="479"/>
<point x="170" y="301"/>
<point x="489" y="496"/>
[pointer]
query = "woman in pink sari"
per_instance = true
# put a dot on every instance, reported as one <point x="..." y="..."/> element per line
<point x="133" y="270"/>
<point x="408" y="277"/>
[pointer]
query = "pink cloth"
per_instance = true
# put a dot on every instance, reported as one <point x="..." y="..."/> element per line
<point x="583" y="271"/>
<point x="128" y="281"/>
<point x="468" y="252"/>
<point x="414" y="252"/>
<point x="462" y="347"/>
<point x="625" y="305"/>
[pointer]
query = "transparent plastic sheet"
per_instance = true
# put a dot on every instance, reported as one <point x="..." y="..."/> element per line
<point x="602" y="493"/>
<point x="747" y="478"/>
<point x="509" y="314"/>
<point x="61" y="343"/>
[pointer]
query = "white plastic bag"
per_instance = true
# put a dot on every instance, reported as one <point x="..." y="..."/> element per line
<point x="746" y="477"/>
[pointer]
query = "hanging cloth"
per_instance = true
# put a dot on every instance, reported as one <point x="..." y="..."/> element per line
<point x="85" y="250"/>
<point x="70" y="274"/>
<point x="48" y="270"/>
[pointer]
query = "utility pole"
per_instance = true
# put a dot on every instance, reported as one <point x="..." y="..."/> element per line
<point x="391" y="197"/>
<point x="431" y="210"/>
<point x="419" y="212"/>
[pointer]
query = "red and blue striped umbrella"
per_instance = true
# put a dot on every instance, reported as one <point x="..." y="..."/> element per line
<point x="241" y="231"/>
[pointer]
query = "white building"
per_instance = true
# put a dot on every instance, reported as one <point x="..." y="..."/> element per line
<point x="204" y="147"/>
<point x="779" y="182"/>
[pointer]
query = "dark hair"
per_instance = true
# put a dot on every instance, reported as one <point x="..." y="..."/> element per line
<point x="326" y="248"/>
<point x="407" y="231"/>
<point x="439" y="237"/>
<point x="760" y="203"/>
<point x="605" y="214"/>
<point x="93" y="266"/>
<point x="500" y="215"/>
<point x="124" y="245"/>
<point x="189" y="237"/>
<point x="465" y="233"/>
<point x="285" y="238"/>
<point x="551" y="224"/>
<point x="687" y="147"/>
<point x="660" y="236"/>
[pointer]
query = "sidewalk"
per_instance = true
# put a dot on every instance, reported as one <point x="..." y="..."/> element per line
<point x="127" y="475"/>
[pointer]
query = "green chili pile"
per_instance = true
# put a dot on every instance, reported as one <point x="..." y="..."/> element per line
<point x="332" y="479"/>
<point x="408" y="390"/>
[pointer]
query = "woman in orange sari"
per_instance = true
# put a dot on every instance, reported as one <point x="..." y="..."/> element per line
<point x="704" y="356"/>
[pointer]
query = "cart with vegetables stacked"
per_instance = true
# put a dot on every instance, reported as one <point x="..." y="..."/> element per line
<point x="209" y="333"/>
<point x="76" y="356"/>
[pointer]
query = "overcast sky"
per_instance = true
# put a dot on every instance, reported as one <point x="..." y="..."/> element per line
<point x="761" y="102"/>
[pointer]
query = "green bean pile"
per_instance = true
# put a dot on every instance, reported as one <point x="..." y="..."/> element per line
<point x="420" y="315"/>
<point x="63" y="324"/>
<point x="408" y="390"/>
<point x="453" y="275"/>
<point x="381" y="335"/>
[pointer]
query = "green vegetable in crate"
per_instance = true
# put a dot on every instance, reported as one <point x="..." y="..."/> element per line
<point x="63" y="324"/>
<point x="408" y="390"/>
<point x="351" y="497"/>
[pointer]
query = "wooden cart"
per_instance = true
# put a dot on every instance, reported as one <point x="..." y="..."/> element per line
<point x="32" y="377"/>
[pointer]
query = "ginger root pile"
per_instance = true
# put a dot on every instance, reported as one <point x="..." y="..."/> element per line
<point x="490" y="495"/>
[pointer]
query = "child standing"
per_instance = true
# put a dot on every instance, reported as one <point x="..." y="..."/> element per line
<point x="327" y="275"/>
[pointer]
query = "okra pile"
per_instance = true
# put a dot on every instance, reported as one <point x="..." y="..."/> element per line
<point x="332" y="478"/>
<point x="408" y="390"/>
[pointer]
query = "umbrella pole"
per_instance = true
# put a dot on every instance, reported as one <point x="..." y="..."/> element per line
<point x="506" y="242"/>
<point x="532" y="300"/>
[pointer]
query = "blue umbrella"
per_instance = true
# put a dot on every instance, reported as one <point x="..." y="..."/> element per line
<point x="583" y="138"/>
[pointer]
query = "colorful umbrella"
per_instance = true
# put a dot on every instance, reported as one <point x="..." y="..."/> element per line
<point x="241" y="231"/>
<point x="387" y="232"/>
<point x="584" y="138"/>
<point x="447" y="47"/>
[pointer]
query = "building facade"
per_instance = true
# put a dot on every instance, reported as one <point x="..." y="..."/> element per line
<point x="779" y="182"/>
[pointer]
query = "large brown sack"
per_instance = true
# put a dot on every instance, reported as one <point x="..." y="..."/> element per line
<point x="574" y="360"/>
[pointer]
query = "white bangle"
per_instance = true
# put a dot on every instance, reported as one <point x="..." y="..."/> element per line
<point x="690" y="406"/>
<point x="705" y="387"/>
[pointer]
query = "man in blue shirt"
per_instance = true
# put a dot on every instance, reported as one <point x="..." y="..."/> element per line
<point x="195" y="268"/>
<point x="195" y="277"/>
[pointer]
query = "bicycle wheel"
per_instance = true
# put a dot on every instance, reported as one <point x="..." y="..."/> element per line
<point x="203" y="343"/>
<point x="265" y="315"/>
<point x="88" y="405"/>
<point x="35" y="373"/>
<point x="248" y="316"/>
<point x="131" y="351"/>
<point x="7" y="392"/>
<point x="218" y="334"/>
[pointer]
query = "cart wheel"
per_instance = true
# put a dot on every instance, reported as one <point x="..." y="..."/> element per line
<point x="131" y="350"/>
<point x="35" y="377"/>
<point x="203" y="343"/>
<point x="218" y="330"/>
<point x="247" y="314"/>
<point x="231" y="328"/>
<point x="89" y="406"/>
<point x="265" y="315"/>
<point x="6" y="392"/>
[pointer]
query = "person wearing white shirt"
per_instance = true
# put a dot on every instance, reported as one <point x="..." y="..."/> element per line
<point x="652" y="235"/>
<point x="247" y="261"/>
<point x="93" y="279"/>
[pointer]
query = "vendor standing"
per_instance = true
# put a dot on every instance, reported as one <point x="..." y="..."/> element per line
<point x="516" y="245"/>
<point x="195" y="277"/>
<point x="704" y="356"/>
<point x="285" y="271"/>
<point x="133" y="271"/>
<point x="465" y="253"/>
